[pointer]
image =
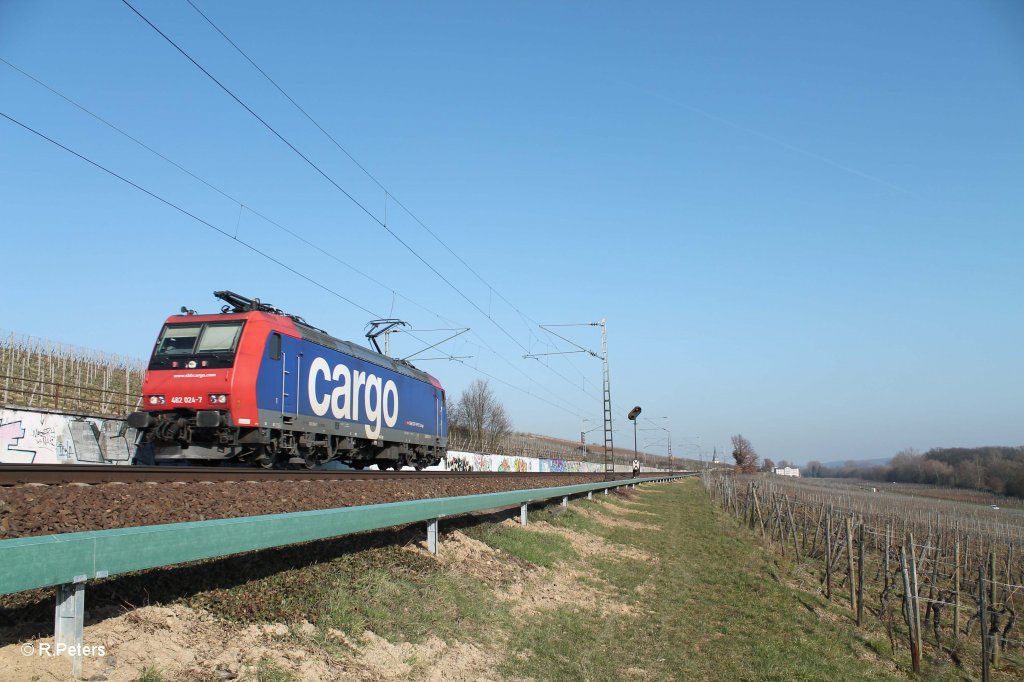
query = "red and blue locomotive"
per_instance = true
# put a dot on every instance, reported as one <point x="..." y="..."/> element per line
<point x="254" y="385"/>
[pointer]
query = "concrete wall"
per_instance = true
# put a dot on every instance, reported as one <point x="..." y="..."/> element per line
<point x="31" y="437"/>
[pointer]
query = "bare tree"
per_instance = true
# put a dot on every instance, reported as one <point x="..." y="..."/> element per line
<point x="480" y="417"/>
<point x="768" y="466"/>
<point x="743" y="453"/>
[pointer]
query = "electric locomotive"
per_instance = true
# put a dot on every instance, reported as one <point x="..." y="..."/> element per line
<point x="254" y="385"/>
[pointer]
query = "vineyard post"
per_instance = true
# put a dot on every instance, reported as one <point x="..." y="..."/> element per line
<point x="817" y="528"/>
<point x="908" y="601"/>
<point x="828" y="556"/>
<point x="932" y="605"/>
<point x="888" y="542"/>
<point x="849" y="564"/>
<point x="956" y="588"/>
<point x="749" y="505"/>
<point x="860" y="574"/>
<point x="992" y="606"/>
<point x="915" y="604"/>
<point x="779" y="518"/>
<point x="757" y="508"/>
<point x="983" y="621"/>
<point x="792" y="526"/>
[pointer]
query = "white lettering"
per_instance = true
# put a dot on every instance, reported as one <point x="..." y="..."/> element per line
<point x="373" y="409"/>
<point x="341" y="411"/>
<point x="341" y="395"/>
<point x="319" y="366"/>
<point x="390" y="416"/>
<point x="358" y="379"/>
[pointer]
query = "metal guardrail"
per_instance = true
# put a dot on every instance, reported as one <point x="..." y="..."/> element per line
<point x="68" y="560"/>
<point x="46" y="560"/>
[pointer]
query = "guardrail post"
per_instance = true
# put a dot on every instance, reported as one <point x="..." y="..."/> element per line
<point x="432" y="536"/>
<point x="565" y="500"/>
<point x="590" y="494"/>
<point x="69" y="621"/>
<point x="606" y="491"/>
<point x="522" y="514"/>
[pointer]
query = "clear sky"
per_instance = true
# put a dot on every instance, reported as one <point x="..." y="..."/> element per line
<point x="802" y="221"/>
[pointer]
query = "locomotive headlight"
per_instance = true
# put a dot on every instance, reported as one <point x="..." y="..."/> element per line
<point x="221" y="398"/>
<point x="156" y="400"/>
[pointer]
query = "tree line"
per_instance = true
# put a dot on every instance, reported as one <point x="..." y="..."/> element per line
<point x="995" y="469"/>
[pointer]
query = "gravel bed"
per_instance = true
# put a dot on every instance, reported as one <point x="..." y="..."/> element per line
<point x="43" y="510"/>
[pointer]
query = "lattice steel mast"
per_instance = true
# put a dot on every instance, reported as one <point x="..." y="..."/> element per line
<point x="609" y="445"/>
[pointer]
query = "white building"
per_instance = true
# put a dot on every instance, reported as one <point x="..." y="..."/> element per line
<point x="788" y="471"/>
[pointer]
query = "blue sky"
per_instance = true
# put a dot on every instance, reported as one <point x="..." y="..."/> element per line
<point x="802" y="221"/>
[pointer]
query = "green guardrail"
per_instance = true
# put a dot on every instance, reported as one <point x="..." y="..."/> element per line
<point x="67" y="558"/>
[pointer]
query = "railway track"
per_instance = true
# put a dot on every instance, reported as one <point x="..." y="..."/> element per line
<point x="92" y="474"/>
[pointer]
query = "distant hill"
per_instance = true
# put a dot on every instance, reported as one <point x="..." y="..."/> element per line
<point x="994" y="469"/>
<point x="878" y="461"/>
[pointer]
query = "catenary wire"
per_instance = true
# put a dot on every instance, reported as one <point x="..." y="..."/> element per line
<point x="369" y="213"/>
<point x="387" y="192"/>
<point x="252" y="248"/>
<point x="276" y="224"/>
<point x="355" y="201"/>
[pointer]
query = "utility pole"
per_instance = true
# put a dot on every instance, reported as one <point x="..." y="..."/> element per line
<point x="609" y="445"/>
<point x="669" y="431"/>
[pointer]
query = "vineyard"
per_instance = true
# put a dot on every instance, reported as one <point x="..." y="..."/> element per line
<point x="46" y="375"/>
<point x="943" y="578"/>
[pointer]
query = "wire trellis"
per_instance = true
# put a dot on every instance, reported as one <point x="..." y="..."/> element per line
<point x="47" y="375"/>
<point x="914" y="561"/>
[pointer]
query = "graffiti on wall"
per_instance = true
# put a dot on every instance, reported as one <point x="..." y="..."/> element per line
<point x="473" y="461"/>
<point x="569" y="465"/>
<point x="28" y="437"/>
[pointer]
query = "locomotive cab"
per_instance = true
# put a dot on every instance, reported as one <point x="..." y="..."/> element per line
<point x="188" y="387"/>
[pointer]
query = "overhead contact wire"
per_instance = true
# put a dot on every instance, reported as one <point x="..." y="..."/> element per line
<point x="252" y="248"/>
<point x="327" y="177"/>
<point x="369" y="213"/>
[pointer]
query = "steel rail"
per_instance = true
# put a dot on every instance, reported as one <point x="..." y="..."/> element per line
<point x="91" y="474"/>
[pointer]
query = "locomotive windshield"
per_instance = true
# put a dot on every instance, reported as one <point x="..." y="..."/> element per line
<point x="178" y="339"/>
<point x="213" y="338"/>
